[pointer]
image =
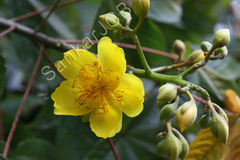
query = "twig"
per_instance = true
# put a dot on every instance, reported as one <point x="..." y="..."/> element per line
<point x="10" y="29"/>
<point x="46" y="18"/>
<point x="113" y="149"/>
<point x="1" y="125"/>
<point x="14" y="125"/>
<point x="35" y="36"/>
<point x="130" y="46"/>
<point x="20" y="18"/>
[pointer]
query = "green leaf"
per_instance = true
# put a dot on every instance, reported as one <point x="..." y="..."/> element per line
<point x="163" y="11"/>
<point x="2" y="75"/>
<point x="217" y="82"/>
<point x="34" y="149"/>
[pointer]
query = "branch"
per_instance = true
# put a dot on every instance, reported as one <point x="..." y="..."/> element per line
<point x="38" y="37"/>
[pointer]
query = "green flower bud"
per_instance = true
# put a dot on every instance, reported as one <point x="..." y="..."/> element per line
<point x="169" y="110"/>
<point x="167" y="92"/>
<point x="126" y="34"/>
<point x="117" y="35"/>
<point x="221" y="38"/>
<point x="110" y="21"/>
<point x="195" y="57"/>
<point x="140" y="8"/>
<point x="184" y="144"/>
<point x="221" y="52"/>
<point x="221" y="112"/>
<point x="161" y="104"/>
<point x="172" y="146"/>
<point x="206" y="46"/>
<point x="219" y="128"/>
<point x="160" y="148"/>
<point x="178" y="47"/>
<point x="186" y="115"/>
<point x="125" y="18"/>
<point x="205" y="120"/>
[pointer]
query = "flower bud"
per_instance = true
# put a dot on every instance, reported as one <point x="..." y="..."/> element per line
<point x="206" y="46"/>
<point x="184" y="144"/>
<point x="160" y="148"/>
<point x="167" y="92"/>
<point x="161" y="104"/>
<point x="221" y="38"/>
<point x="169" y="110"/>
<point x="140" y="8"/>
<point x="117" y="35"/>
<point x="221" y="52"/>
<point x="205" y="120"/>
<point x="110" y="21"/>
<point x="195" y="57"/>
<point x="178" y="47"/>
<point x="219" y="128"/>
<point x="186" y="115"/>
<point x="125" y="18"/>
<point x="232" y="101"/>
<point x="221" y="112"/>
<point x="172" y="146"/>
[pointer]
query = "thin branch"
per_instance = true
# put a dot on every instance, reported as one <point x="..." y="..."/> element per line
<point x="113" y="149"/>
<point x="1" y="125"/>
<point x="15" y="122"/>
<point x="10" y="29"/>
<point x="46" y="18"/>
<point x="20" y="18"/>
<point x="130" y="46"/>
<point x="35" y="36"/>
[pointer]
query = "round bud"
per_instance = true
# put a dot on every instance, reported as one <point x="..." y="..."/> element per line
<point x="205" y="120"/>
<point x="167" y="92"/>
<point x="161" y="136"/>
<point x="125" y="18"/>
<point x="117" y="35"/>
<point x="232" y="101"/>
<point x="221" y="112"/>
<point x="221" y="38"/>
<point x="141" y="7"/>
<point x="160" y="148"/>
<point x="219" y="128"/>
<point x="206" y="46"/>
<point x="186" y="115"/>
<point x="169" y="110"/>
<point x="110" y="21"/>
<point x="172" y="146"/>
<point x="195" y="57"/>
<point x="184" y="144"/>
<point x="178" y="47"/>
<point x="221" y="52"/>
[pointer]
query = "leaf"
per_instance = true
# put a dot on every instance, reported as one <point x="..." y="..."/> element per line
<point x="165" y="11"/>
<point x="2" y="75"/>
<point x="54" y="21"/>
<point x="206" y="147"/>
<point x="34" y="149"/>
<point x="217" y="82"/>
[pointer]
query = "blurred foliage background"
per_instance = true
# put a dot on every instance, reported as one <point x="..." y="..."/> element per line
<point x="42" y="135"/>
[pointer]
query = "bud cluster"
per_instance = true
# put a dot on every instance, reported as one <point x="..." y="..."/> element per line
<point x="173" y="144"/>
<point x="218" y="123"/>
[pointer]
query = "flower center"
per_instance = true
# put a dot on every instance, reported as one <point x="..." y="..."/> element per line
<point x="96" y="89"/>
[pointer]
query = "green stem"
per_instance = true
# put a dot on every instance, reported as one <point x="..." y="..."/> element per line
<point x="168" y="68"/>
<point x="140" y="53"/>
<point x="189" y="95"/>
<point x="138" y="25"/>
<point x="209" y="103"/>
<point x="169" y="126"/>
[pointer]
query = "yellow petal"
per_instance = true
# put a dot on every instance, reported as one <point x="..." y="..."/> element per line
<point x="106" y="125"/>
<point x="111" y="57"/>
<point x="73" y="61"/>
<point x="133" y="95"/>
<point x="65" y="103"/>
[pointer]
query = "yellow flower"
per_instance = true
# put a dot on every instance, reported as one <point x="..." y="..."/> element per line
<point x="98" y="86"/>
